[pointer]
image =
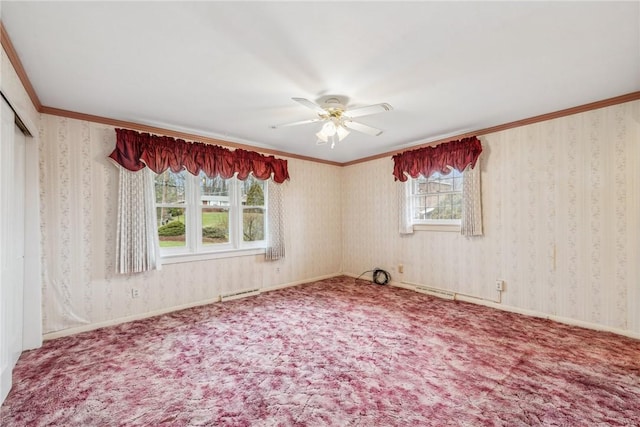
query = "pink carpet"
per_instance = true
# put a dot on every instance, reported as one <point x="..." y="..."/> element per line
<point x="331" y="353"/>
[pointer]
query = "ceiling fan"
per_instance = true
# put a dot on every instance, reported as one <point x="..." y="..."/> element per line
<point x="337" y="118"/>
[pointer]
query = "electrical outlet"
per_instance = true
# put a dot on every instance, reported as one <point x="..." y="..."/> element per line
<point x="499" y="285"/>
<point x="400" y="268"/>
<point x="277" y="269"/>
<point x="135" y="292"/>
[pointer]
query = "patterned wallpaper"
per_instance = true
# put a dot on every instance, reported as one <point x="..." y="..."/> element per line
<point x="561" y="206"/>
<point x="561" y="220"/>
<point x="78" y="206"/>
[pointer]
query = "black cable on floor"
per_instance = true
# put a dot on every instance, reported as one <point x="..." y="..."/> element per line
<point x="380" y="276"/>
<point x="363" y="273"/>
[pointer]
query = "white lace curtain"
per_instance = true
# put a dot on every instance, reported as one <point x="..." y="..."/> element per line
<point x="404" y="203"/>
<point x="275" y="222"/>
<point x="137" y="245"/>
<point x="471" y="223"/>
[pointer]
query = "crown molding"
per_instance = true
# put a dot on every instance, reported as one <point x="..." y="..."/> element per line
<point x="173" y="133"/>
<point x="176" y="134"/>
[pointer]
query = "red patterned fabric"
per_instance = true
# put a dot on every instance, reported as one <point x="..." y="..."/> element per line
<point x="136" y="150"/>
<point x="427" y="160"/>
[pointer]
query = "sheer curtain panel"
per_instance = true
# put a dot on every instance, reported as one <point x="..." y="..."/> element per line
<point x="471" y="223"/>
<point x="137" y="245"/>
<point x="275" y="222"/>
<point x="404" y="203"/>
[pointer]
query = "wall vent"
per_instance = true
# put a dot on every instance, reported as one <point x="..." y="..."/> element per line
<point x="440" y="293"/>
<point x="239" y="294"/>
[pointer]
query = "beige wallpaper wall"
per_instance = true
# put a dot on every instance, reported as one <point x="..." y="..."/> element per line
<point x="79" y="202"/>
<point x="561" y="219"/>
<point x="561" y="215"/>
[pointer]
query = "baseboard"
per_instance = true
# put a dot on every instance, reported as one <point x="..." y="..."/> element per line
<point x="113" y="322"/>
<point x="532" y="313"/>
<point x="559" y="319"/>
<point x="517" y="310"/>
<point x="132" y="318"/>
<point x="240" y="294"/>
<point x="300" y="282"/>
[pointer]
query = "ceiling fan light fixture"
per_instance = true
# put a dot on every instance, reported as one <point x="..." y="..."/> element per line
<point x="337" y="119"/>
<point x="322" y="137"/>
<point x="329" y="128"/>
<point x="342" y="132"/>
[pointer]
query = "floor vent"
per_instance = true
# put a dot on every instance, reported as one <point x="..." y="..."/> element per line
<point x="239" y="294"/>
<point x="440" y="293"/>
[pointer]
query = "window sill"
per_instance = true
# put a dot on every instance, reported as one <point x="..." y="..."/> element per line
<point x="179" y="258"/>
<point x="437" y="227"/>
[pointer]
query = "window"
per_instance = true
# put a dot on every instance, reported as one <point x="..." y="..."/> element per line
<point x="437" y="200"/>
<point x="199" y="214"/>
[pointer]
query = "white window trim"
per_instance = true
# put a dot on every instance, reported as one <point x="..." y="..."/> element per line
<point x="179" y="258"/>
<point x="447" y="222"/>
<point x="470" y="223"/>
<point x="194" y="250"/>
<point x="437" y="227"/>
<point x="447" y="225"/>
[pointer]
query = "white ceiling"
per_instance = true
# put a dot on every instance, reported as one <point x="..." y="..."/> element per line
<point x="228" y="70"/>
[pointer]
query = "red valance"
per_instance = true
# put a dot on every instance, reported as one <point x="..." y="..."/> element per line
<point x="427" y="160"/>
<point x="136" y="150"/>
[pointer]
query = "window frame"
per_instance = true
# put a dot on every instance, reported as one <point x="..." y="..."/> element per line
<point x="433" y="224"/>
<point x="194" y="249"/>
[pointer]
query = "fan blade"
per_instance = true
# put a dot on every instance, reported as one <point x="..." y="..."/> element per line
<point x="301" y="122"/>
<point x="312" y="105"/>
<point x="362" y="128"/>
<point x="370" y="109"/>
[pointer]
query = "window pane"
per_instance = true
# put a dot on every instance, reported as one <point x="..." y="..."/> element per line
<point x="171" y="226"/>
<point x="252" y="224"/>
<point x="215" y="225"/>
<point x="434" y="210"/>
<point x="449" y="182"/>
<point x="252" y="192"/>
<point x="449" y="206"/>
<point x="214" y="191"/>
<point x="170" y="187"/>
<point x="456" y="202"/>
<point x="420" y="185"/>
<point x="457" y="183"/>
<point x="438" y="197"/>
<point x="421" y="212"/>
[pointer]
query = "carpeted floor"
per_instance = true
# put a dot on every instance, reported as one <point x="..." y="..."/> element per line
<point x="331" y="353"/>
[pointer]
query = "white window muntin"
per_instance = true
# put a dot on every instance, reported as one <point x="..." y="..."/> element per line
<point x="438" y="194"/>
<point x="193" y="206"/>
